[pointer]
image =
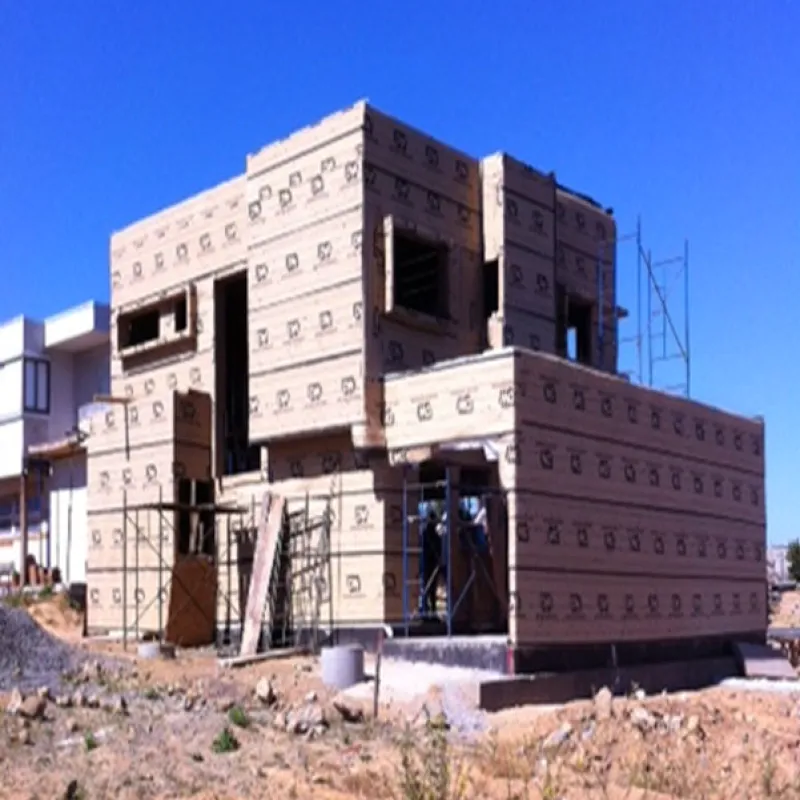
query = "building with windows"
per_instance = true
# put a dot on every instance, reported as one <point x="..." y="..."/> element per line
<point x="50" y="372"/>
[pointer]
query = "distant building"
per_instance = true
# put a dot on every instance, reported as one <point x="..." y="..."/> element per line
<point x="778" y="564"/>
<point x="49" y="372"/>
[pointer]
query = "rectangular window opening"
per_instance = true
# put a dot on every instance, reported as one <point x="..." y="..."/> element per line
<point x="420" y="275"/>
<point x="36" y="388"/>
<point x="181" y="315"/>
<point x="138" y="328"/>
<point x="491" y="288"/>
<point x="231" y="346"/>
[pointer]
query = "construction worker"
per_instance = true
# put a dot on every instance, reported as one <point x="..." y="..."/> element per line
<point x="431" y="560"/>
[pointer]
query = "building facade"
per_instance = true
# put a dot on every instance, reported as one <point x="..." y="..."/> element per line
<point x="365" y="311"/>
<point x="50" y="371"/>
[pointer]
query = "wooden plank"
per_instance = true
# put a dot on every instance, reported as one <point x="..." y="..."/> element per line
<point x="269" y="531"/>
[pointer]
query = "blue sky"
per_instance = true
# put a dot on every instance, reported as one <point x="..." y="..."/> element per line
<point x="687" y="113"/>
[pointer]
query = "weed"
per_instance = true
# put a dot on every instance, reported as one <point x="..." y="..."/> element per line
<point x="89" y="742"/>
<point x="225" y="742"/>
<point x="428" y="770"/>
<point x="238" y="716"/>
<point x="150" y="693"/>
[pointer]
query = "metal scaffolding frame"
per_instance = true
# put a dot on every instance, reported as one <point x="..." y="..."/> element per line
<point x="414" y="517"/>
<point x="305" y="542"/>
<point x="658" y="338"/>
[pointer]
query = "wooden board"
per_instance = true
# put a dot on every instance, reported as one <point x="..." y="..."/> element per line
<point x="269" y="532"/>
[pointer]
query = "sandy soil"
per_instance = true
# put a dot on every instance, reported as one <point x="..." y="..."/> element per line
<point x="716" y="743"/>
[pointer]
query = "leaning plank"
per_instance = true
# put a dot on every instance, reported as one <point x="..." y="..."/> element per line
<point x="269" y="533"/>
<point x="257" y="658"/>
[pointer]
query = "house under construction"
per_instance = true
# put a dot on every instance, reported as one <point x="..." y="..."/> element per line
<point x="374" y="326"/>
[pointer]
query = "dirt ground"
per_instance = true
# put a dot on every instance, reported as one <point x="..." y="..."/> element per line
<point x="184" y="728"/>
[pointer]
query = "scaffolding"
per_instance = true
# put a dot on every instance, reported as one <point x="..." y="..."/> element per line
<point x="458" y="531"/>
<point x="302" y="569"/>
<point x="661" y="335"/>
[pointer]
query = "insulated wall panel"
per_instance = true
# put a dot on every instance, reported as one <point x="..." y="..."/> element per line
<point x="554" y="608"/>
<point x="314" y="396"/>
<point x="192" y="239"/>
<point x="462" y="399"/>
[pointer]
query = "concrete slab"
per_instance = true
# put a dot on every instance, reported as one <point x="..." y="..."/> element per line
<point x="762" y="661"/>
<point x="522" y="690"/>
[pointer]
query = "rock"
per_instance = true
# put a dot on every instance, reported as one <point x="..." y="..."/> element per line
<point x="558" y="737"/>
<point x="348" y="712"/>
<point x="79" y="699"/>
<point x="604" y="704"/>
<point x="15" y="702"/>
<point x="63" y="701"/>
<point x="225" y="705"/>
<point x="24" y="736"/>
<point x="265" y="692"/>
<point x="640" y="694"/>
<point x="72" y="726"/>
<point x="188" y="703"/>
<point x="302" y="720"/>
<point x="92" y="701"/>
<point x="116" y="705"/>
<point x="311" y="697"/>
<point x="642" y="719"/>
<point x="44" y="693"/>
<point x="33" y="707"/>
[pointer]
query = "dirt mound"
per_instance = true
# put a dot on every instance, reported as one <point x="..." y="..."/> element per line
<point x="30" y="657"/>
<point x="58" y="617"/>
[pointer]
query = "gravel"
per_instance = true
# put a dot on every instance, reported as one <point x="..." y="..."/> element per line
<point x="29" y="657"/>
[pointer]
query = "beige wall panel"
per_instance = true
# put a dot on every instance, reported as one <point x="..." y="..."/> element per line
<point x="559" y="533"/>
<point x="516" y="328"/>
<point x="147" y="421"/>
<point x="308" y="187"/>
<point x="585" y="228"/>
<point x="402" y="346"/>
<point x="564" y="395"/>
<point x="401" y="150"/>
<point x="195" y="371"/>
<point x="578" y="273"/>
<point x="333" y="127"/>
<point x="560" y="463"/>
<point x="527" y="282"/>
<point x="309" y="258"/>
<point x="114" y="602"/>
<point x="327" y="322"/>
<point x="145" y="531"/>
<point x="308" y="398"/>
<point x="571" y="608"/>
<point x="463" y="399"/>
<point x="193" y="239"/>
<point x="416" y="205"/>
<point x="520" y="178"/>
<point x="518" y="205"/>
<point x="145" y="474"/>
<point x="359" y="587"/>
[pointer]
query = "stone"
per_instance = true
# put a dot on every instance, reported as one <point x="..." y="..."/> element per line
<point x="92" y="701"/>
<point x="265" y="692"/>
<point x="72" y="726"/>
<point x="558" y="737"/>
<point x="349" y="713"/>
<point x="63" y="701"/>
<point x="33" y="707"/>
<point x="311" y="697"/>
<point x="642" y="719"/>
<point x="79" y="699"/>
<point x="604" y="704"/>
<point x="24" y="736"/>
<point x="15" y="702"/>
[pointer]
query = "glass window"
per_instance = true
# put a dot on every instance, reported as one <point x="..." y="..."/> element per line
<point x="37" y="386"/>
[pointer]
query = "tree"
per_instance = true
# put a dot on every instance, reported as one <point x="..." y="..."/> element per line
<point x="793" y="560"/>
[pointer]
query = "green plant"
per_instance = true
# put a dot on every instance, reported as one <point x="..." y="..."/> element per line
<point x="428" y="769"/>
<point x="90" y="742"/>
<point x="225" y="742"/>
<point x="45" y="592"/>
<point x="238" y="716"/>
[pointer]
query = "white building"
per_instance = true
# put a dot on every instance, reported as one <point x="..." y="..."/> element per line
<point x="50" y="372"/>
